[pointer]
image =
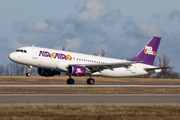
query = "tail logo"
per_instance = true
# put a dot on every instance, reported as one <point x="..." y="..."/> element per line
<point x="148" y="50"/>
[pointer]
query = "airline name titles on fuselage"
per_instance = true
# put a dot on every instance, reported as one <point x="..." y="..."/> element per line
<point x="55" y="55"/>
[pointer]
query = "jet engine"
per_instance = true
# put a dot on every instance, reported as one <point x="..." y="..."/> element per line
<point x="77" y="70"/>
<point x="47" y="72"/>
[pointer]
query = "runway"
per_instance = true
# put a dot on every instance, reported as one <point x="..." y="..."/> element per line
<point x="90" y="99"/>
<point x="43" y="85"/>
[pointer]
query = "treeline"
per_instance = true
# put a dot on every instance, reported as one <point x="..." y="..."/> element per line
<point x="15" y="69"/>
<point x="168" y="73"/>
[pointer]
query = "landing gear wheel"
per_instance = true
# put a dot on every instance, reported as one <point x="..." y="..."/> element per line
<point x="90" y="81"/>
<point x="70" y="81"/>
<point x="28" y="74"/>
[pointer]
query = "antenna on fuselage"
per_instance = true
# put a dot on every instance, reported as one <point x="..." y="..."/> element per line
<point x="33" y="45"/>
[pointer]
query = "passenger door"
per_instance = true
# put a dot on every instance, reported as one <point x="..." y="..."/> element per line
<point x="34" y="53"/>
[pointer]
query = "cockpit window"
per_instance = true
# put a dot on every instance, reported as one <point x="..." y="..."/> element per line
<point x="23" y="51"/>
<point x="17" y="50"/>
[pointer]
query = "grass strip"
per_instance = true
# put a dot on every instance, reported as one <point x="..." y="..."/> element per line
<point x="89" y="90"/>
<point x="82" y="80"/>
<point x="90" y="112"/>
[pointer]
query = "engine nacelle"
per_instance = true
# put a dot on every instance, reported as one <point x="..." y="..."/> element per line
<point x="77" y="70"/>
<point x="47" y="72"/>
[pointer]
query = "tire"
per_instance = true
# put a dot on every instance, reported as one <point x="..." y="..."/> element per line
<point x="90" y="81"/>
<point x="70" y="81"/>
<point x="28" y="74"/>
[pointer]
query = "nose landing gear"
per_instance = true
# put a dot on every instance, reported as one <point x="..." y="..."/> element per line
<point x="28" y="74"/>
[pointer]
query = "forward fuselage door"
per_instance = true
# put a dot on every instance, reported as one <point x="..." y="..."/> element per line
<point x="34" y="53"/>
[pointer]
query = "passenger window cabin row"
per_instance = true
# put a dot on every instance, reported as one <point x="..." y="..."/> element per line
<point x="93" y="61"/>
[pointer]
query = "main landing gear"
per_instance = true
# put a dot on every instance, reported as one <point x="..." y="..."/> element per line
<point x="28" y="74"/>
<point x="90" y="81"/>
<point x="70" y="81"/>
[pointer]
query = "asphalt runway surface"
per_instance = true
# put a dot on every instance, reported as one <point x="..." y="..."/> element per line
<point x="89" y="99"/>
<point x="43" y="85"/>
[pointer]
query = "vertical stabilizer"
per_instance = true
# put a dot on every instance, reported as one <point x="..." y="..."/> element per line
<point x="148" y="53"/>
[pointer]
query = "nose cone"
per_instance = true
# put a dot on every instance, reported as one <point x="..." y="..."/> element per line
<point x="16" y="57"/>
<point x="12" y="56"/>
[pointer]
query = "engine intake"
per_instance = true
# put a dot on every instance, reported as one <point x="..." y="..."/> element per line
<point x="77" y="70"/>
<point x="47" y="72"/>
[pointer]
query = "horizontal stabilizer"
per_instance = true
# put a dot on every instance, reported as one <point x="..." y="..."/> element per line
<point x="158" y="68"/>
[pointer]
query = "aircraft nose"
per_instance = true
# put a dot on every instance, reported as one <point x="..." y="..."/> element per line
<point x="12" y="56"/>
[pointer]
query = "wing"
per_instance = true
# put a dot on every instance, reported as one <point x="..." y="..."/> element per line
<point x="98" y="67"/>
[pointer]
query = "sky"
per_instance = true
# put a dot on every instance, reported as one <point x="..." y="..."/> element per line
<point x="120" y="27"/>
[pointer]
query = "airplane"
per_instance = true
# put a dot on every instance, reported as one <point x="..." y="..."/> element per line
<point x="51" y="62"/>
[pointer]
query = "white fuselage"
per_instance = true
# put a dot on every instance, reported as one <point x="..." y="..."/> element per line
<point x="44" y="58"/>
